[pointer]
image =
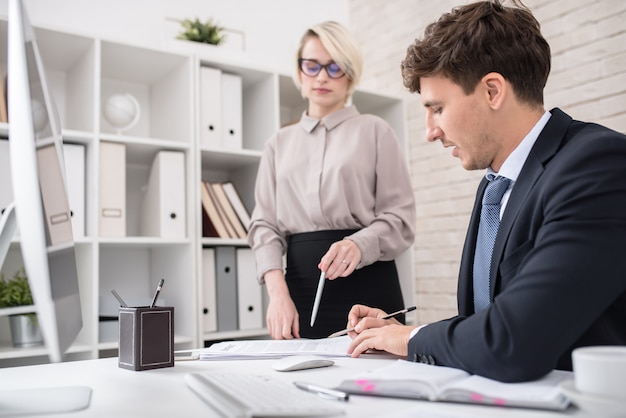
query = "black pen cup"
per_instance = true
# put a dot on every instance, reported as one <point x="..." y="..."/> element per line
<point x="146" y="337"/>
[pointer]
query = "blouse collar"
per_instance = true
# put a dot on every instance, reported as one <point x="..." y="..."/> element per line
<point x="329" y="121"/>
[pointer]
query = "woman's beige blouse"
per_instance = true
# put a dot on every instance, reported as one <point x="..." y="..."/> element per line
<point x="346" y="171"/>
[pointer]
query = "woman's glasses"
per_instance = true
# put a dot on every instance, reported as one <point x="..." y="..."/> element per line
<point x="312" y="68"/>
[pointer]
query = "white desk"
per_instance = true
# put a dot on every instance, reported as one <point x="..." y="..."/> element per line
<point x="163" y="392"/>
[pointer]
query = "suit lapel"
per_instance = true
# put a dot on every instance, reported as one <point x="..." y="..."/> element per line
<point x="550" y="140"/>
<point x="465" y="292"/>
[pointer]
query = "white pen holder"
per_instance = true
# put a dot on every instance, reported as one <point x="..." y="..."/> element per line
<point x="146" y="339"/>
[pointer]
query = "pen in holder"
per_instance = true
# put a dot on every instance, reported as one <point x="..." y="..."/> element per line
<point x="146" y="339"/>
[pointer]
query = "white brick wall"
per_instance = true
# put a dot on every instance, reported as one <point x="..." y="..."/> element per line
<point x="588" y="80"/>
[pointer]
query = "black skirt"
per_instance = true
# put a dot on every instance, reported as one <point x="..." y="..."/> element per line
<point x="376" y="285"/>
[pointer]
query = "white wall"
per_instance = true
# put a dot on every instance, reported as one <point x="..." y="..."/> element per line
<point x="272" y="27"/>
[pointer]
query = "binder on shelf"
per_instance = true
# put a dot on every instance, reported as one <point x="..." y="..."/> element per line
<point x="6" y="187"/>
<point x="211" y="211"/>
<point x="230" y="230"/>
<point x="54" y="196"/>
<point x="232" y="112"/>
<point x="209" y="304"/>
<point x="74" y="155"/>
<point x="163" y="205"/>
<point x="112" y="177"/>
<point x="226" y="288"/>
<point x="210" y="107"/>
<point x="228" y="211"/>
<point x="249" y="292"/>
<point x="237" y="204"/>
<point x="4" y="116"/>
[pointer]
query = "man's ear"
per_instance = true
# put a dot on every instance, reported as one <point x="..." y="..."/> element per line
<point x="496" y="89"/>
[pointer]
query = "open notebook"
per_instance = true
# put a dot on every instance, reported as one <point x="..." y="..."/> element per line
<point x="404" y="379"/>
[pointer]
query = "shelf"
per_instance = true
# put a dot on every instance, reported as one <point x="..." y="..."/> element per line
<point x="230" y="160"/>
<point x="17" y="310"/>
<point x="214" y="242"/>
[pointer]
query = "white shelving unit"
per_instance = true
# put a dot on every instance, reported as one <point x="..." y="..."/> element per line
<point x="83" y="72"/>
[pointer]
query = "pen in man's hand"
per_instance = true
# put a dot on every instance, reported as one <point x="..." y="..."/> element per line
<point x="323" y="392"/>
<point x="156" y="294"/>
<point x="391" y="315"/>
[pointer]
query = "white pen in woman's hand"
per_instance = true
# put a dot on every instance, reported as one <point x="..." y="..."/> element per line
<point x="318" y="297"/>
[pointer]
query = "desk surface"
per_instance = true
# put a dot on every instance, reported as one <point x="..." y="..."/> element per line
<point x="163" y="392"/>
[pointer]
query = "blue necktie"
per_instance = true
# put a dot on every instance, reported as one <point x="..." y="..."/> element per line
<point x="487" y="230"/>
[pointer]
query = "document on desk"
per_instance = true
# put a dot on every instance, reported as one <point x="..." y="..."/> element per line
<point x="259" y="349"/>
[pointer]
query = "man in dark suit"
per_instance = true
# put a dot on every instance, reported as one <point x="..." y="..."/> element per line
<point x="557" y="275"/>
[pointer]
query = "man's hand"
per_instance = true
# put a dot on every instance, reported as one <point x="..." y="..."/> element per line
<point x="373" y="332"/>
<point x="393" y="339"/>
<point x="363" y="317"/>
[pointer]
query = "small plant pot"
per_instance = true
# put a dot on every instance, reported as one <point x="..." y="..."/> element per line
<point x="25" y="331"/>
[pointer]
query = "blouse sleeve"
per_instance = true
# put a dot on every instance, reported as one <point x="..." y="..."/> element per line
<point x="263" y="235"/>
<point x="392" y="229"/>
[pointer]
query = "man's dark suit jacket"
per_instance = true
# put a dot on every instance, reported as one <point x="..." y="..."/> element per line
<point x="558" y="275"/>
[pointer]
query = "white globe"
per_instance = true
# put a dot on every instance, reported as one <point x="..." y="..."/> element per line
<point x="121" y="111"/>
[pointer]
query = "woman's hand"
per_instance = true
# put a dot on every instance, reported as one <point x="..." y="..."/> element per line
<point x="282" y="316"/>
<point x="341" y="259"/>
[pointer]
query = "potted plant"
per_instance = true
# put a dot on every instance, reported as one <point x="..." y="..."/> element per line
<point x="206" y="32"/>
<point x="14" y="292"/>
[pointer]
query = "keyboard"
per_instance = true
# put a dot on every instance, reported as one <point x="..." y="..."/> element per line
<point x="235" y="395"/>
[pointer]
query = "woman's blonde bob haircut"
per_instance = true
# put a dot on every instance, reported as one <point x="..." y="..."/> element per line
<point x="341" y="46"/>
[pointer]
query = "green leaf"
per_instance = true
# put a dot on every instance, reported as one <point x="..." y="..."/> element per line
<point x="206" y="32"/>
<point x="15" y="291"/>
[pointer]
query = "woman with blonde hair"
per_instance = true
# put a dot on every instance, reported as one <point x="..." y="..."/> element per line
<point x="333" y="193"/>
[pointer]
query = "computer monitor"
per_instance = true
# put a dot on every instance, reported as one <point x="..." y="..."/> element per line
<point x="39" y="188"/>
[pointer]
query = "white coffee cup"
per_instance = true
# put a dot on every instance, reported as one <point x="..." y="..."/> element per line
<point x="601" y="371"/>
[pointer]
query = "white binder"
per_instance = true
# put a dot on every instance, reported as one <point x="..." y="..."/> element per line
<point x="209" y="305"/>
<point x="163" y="205"/>
<point x="112" y="205"/>
<point x="210" y="107"/>
<point x="232" y="108"/>
<point x="54" y="196"/>
<point x="74" y="156"/>
<point x="249" y="291"/>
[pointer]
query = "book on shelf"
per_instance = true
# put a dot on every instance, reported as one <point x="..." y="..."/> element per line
<point x="237" y="203"/>
<point x="208" y="228"/>
<point x="230" y="231"/>
<point x="229" y="215"/>
<point x="212" y="213"/>
<point x="405" y="379"/>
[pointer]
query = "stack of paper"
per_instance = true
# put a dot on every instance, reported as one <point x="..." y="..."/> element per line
<point x="259" y="349"/>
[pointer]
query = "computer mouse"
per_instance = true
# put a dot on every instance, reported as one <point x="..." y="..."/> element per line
<point x="301" y="362"/>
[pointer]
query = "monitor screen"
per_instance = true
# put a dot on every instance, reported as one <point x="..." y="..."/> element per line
<point x="39" y="189"/>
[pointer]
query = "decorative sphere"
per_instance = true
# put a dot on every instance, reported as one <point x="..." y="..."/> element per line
<point x="121" y="111"/>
